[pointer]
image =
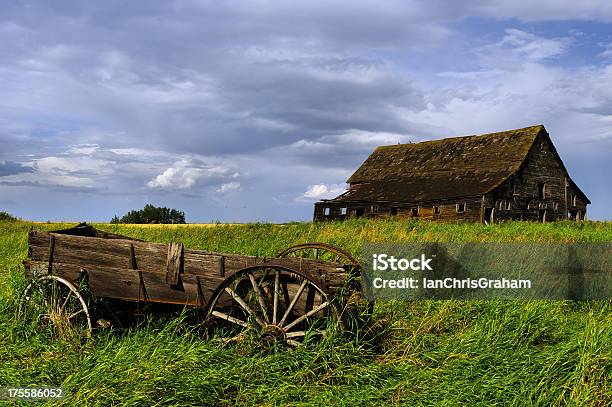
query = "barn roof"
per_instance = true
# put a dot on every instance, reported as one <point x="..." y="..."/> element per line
<point x="438" y="169"/>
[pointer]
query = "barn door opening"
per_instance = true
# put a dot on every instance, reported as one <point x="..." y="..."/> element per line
<point x="488" y="216"/>
<point x="542" y="215"/>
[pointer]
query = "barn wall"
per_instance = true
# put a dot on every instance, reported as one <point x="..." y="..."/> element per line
<point x="448" y="210"/>
<point x="519" y="198"/>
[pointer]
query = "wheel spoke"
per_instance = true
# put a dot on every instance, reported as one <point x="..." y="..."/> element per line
<point x="66" y="300"/>
<point x="54" y="303"/>
<point x="244" y="305"/>
<point x="306" y="315"/>
<point x="298" y="334"/>
<point x="293" y="302"/>
<point x="74" y="314"/>
<point x="260" y="299"/>
<point x="229" y="318"/>
<point x="293" y="343"/>
<point x="276" y="290"/>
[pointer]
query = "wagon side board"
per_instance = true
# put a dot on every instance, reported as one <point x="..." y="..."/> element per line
<point x="138" y="271"/>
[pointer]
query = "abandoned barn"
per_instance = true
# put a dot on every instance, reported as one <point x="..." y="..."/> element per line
<point x="509" y="175"/>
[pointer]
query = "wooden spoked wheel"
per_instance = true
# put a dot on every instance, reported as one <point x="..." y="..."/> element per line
<point x="272" y="303"/>
<point x="53" y="303"/>
<point x="356" y="310"/>
<point x="320" y="251"/>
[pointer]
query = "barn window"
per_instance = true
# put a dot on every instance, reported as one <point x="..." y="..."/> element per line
<point x="326" y="211"/>
<point x="541" y="190"/>
<point x="508" y="205"/>
<point x="393" y="211"/>
<point x="415" y="211"/>
<point x="573" y="200"/>
<point x="460" y="207"/>
<point x="502" y="205"/>
<point x="436" y="210"/>
<point x="374" y="208"/>
<point x="359" y="212"/>
<point x="514" y="187"/>
<point x="343" y="211"/>
<point x="556" y="205"/>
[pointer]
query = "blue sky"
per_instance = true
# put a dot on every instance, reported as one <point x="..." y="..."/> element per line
<point x="239" y="111"/>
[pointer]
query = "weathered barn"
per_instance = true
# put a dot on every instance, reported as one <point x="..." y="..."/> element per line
<point x="514" y="174"/>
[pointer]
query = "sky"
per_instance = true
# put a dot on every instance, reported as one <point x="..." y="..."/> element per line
<point x="238" y="111"/>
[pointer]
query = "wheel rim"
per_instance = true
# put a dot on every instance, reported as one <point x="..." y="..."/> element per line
<point x="320" y="251"/>
<point x="55" y="303"/>
<point x="273" y="303"/>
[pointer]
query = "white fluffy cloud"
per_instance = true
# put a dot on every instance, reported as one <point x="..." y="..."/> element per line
<point x="186" y="174"/>
<point x="229" y="187"/>
<point x="324" y="191"/>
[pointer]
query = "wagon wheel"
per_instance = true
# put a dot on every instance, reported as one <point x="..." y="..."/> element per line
<point x="358" y="309"/>
<point x="273" y="303"/>
<point x="51" y="302"/>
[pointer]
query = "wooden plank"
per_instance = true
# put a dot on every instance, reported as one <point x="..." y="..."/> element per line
<point x="125" y="284"/>
<point x="174" y="263"/>
<point x="51" y="253"/>
<point x="222" y="266"/>
<point x="133" y="257"/>
<point x="71" y="272"/>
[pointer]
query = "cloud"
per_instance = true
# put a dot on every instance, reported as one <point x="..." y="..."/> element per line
<point x="607" y="52"/>
<point x="229" y="187"/>
<point x="186" y="174"/>
<point x="12" y="168"/>
<point x="518" y="47"/>
<point x="323" y="191"/>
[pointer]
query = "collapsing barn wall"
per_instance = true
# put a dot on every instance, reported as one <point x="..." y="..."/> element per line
<point x="467" y="209"/>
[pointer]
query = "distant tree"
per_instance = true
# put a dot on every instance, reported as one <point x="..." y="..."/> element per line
<point x="7" y="217"/>
<point x="151" y="214"/>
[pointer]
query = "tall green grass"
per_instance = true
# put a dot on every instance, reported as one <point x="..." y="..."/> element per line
<point x="418" y="353"/>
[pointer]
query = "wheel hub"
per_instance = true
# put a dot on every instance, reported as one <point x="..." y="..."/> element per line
<point x="273" y="334"/>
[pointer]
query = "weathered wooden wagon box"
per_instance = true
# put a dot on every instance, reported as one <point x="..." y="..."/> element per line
<point x="124" y="268"/>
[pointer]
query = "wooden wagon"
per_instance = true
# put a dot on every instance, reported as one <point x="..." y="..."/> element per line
<point x="286" y="298"/>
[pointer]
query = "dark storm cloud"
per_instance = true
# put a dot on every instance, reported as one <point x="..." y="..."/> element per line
<point x="13" y="168"/>
<point x="54" y="187"/>
<point x="209" y="77"/>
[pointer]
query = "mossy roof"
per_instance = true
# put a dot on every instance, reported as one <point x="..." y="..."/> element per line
<point x="439" y="169"/>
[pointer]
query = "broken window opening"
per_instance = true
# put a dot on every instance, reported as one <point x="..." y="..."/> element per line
<point x="541" y="190"/>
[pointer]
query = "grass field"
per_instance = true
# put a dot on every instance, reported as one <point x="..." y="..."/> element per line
<point x="420" y="353"/>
